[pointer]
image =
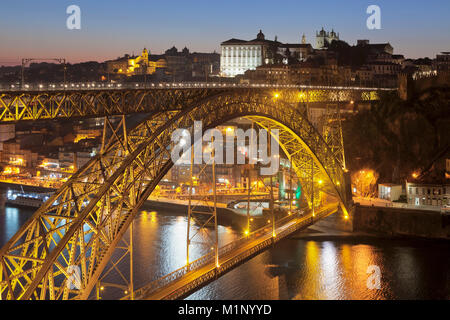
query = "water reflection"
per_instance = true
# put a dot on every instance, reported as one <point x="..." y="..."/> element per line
<point x="292" y="269"/>
<point x="331" y="271"/>
<point x="12" y="221"/>
<point x="306" y="269"/>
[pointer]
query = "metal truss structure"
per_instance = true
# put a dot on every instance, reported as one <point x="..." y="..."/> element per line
<point x="332" y="132"/>
<point x="77" y="230"/>
<point x="68" y="104"/>
<point x="197" y="212"/>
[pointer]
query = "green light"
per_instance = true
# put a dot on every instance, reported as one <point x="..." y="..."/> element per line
<point x="298" y="192"/>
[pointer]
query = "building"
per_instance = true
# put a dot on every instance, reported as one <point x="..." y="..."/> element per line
<point x="421" y="194"/>
<point x="376" y="48"/>
<point x="11" y="154"/>
<point x="431" y="186"/>
<point x="363" y="76"/>
<point x="269" y="73"/>
<point x="384" y="74"/>
<point x="390" y="191"/>
<point x="7" y="132"/>
<point x="387" y="58"/>
<point x="301" y="73"/>
<point x="136" y="65"/>
<point x="205" y="65"/>
<point x="239" y="55"/>
<point x="443" y="61"/>
<point x="178" y="66"/>
<point x="324" y="38"/>
<point x="297" y="51"/>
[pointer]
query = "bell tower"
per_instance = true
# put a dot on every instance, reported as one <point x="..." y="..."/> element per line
<point x="145" y="56"/>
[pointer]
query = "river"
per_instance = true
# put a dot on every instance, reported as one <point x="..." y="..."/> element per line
<point x="301" y="268"/>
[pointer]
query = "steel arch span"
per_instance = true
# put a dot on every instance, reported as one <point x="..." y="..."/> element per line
<point x="79" y="227"/>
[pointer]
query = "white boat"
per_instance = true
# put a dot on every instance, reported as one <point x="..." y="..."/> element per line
<point x="26" y="199"/>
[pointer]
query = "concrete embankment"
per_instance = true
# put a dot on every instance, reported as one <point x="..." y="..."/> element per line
<point x="5" y="185"/>
<point x="401" y="222"/>
<point x="225" y="216"/>
<point x="368" y="222"/>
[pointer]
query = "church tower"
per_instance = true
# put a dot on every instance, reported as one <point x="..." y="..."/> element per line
<point x="303" y="39"/>
<point x="145" y="56"/>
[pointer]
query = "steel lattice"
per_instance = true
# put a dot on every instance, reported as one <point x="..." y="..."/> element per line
<point x="83" y="222"/>
<point x="39" y="105"/>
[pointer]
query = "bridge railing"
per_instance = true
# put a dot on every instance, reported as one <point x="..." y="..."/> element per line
<point x="167" y="85"/>
<point x="196" y="264"/>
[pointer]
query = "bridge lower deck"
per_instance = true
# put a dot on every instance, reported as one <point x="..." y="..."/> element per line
<point x="184" y="284"/>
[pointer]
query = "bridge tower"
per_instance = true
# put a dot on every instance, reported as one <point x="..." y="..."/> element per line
<point x="332" y="132"/>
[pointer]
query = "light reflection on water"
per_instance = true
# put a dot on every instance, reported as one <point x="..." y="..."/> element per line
<point x="293" y="269"/>
<point x="306" y="269"/>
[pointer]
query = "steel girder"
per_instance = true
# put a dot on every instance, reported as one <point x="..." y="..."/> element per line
<point x="83" y="222"/>
<point x="41" y="105"/>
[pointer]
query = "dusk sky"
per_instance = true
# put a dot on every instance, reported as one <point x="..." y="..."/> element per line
<point x="112" y="28"/>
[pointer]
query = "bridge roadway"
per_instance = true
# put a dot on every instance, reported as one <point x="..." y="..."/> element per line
<point x="99" y="100"/>
<point x="183" y="282"/>
<point x="172" y="85"/>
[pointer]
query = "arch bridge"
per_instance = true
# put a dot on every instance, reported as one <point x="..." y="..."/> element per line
<point x="78" y="229"/>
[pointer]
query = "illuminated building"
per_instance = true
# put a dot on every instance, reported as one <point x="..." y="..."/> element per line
<point x="238" y="55"/>
<point x="12" y="154"/>
<point x="135" y="65"/>
<point x="420" y="194"/>
<point x="431" y="187"/>
<point x="301" y="73"/>
<point x="390" y="191"/>
<point x="324" y="38"/>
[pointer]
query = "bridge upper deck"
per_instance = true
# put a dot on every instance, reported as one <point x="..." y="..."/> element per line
<point x="97" y="100"/>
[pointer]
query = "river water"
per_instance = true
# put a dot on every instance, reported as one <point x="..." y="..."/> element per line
<point x="301" y="268"/>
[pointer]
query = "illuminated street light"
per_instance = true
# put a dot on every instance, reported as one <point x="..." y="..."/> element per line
<point x="301" y="95"/>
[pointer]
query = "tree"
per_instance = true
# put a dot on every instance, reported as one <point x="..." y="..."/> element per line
<point x="395" y="137"/>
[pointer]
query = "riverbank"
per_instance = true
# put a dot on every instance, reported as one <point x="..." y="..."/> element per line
<point x="401" y="222"/>
<point x="322" y="234"/>
<point x="381" y="223"/>
<point x="225" y="216"/>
